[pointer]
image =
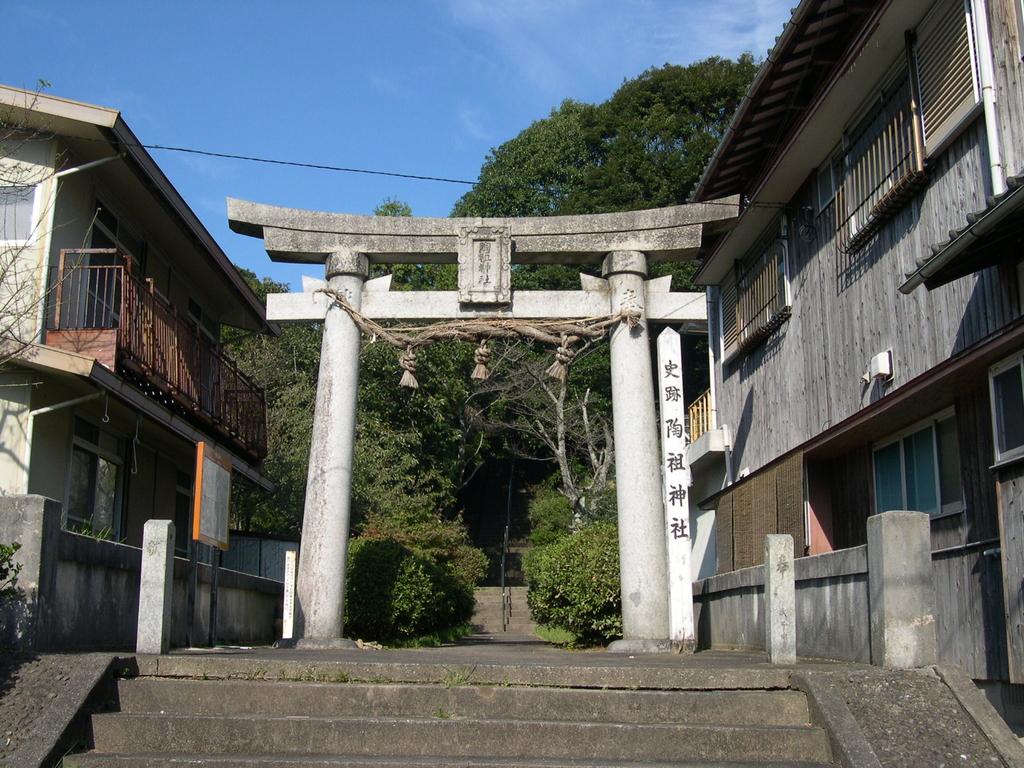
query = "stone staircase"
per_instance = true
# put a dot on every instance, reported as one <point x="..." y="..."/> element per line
<point x="609" y="717"/>
<point x="487" y="616"/>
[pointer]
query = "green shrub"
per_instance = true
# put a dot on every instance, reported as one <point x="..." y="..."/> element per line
<point x="410" y="575"/>
<point x="574" y="584"/>
<point x="550" y="516"/>
<point x="9" y="570"/>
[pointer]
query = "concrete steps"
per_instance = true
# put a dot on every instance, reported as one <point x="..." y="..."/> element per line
<point x="236" y="697"/>
<point x="418" y="737"/>
<point x="487" y="613"/>
<point x="166" y="721"/>
<point x="289" y="761"/>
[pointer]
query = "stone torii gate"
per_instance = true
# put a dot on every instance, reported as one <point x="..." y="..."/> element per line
<point x="622" y="243"/>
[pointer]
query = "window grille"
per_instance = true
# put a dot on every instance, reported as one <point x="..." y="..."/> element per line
<point x="755" y="296"/>
<point x="946" y="70"/>
<point x="882" y="168"/>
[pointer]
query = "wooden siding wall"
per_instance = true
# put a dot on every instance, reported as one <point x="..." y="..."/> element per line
<point x="1009" y="72"/>
<point x="1011" y="501"/>
<point x="846" y="483"/>
<point x="772" y="502"/>
<point x="847" y="308"/>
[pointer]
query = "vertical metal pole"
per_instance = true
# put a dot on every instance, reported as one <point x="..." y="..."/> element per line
<point x="214" y="579"/>
<point x="190" y="600"/>
<point x="506" y="602"/>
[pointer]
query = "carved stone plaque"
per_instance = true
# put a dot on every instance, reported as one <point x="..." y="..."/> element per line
<point x="485" y="258"/>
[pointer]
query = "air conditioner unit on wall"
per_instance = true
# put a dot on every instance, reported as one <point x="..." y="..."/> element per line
<point x="879" y="368"/>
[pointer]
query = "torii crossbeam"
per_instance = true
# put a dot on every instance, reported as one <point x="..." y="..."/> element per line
<point x="485" y="250"/>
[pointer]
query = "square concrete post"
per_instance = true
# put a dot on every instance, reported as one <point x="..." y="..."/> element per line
<point x="33" y="522"/>
<point x="155" y="589"/>
<point x="901" y="589"/>
<point x="779" y="599"/>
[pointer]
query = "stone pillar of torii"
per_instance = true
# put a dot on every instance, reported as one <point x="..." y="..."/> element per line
<point x="653" y="511"/>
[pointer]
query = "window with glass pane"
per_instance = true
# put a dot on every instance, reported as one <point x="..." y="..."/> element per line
<point x="1008" y="411"/>
<point x="888" y="478"/>
<point x="16" y="212"/>
<point x="920" y="470"/>
<point x="81" y="487"/>
<point x="919" y="465"/>
<point x="94" y="481"/>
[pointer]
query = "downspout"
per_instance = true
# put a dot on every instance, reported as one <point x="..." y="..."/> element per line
<point x="713" y="390"/>
<point x="983" y="47"/>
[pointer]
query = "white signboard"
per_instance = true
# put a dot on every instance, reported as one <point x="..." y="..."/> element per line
<point x="675" y="473"/>
<point x="212" y="496"/>
<point x="288" y="623"/>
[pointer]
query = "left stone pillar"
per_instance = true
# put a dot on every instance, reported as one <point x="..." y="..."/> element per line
<point x="156" y="587"/>
<point x="323" y="555"/>
<point x="642" y="547"/>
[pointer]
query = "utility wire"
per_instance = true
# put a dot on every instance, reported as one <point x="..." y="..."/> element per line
<point x="365" y="171"/>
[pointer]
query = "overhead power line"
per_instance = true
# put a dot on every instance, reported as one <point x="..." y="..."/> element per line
<point x="364" y="171"/>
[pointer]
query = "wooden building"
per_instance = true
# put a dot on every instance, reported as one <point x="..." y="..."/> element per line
<point x="118" y="294"/>
<point x="865" y="313"/>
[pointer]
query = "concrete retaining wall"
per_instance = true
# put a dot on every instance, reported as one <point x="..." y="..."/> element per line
<point x="832" y="609"/>
<point x="833" y="619"/>
<point x="91" y="601"/>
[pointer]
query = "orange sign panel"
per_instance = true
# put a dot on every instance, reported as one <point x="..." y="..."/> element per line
<point x="211" y="500"/>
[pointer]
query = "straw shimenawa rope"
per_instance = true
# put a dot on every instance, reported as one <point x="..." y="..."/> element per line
<point x="558" y="333"/>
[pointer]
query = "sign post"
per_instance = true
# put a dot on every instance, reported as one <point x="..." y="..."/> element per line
<point x="210" y="517"/>
<point x="676" y="479"/>
<point x="288" y="614"/>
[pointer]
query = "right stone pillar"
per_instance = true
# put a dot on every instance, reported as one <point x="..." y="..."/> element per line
<point x="901" y="590"/>
<point x="642" y="546"/>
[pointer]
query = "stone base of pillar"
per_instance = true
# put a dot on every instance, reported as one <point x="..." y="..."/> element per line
<point x="641" y="646"/>
<point x="325" y="644"/>
<point x="685" y="647"/>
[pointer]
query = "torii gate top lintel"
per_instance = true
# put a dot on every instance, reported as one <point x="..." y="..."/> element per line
<point x="663" y="234"/>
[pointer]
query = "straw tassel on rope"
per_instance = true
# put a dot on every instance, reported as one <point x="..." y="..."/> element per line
<point x="563" y="357"/>
<point x="408" y="362"/>
<point x="482" y="357"/>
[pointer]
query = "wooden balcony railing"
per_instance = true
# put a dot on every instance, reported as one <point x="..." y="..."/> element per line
<point x="102" y="310"/>
<point x="699" y="416"/>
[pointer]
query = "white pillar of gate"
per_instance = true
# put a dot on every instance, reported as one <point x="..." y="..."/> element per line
<point x="642" y="553"/>
<point x="325" y="525"/>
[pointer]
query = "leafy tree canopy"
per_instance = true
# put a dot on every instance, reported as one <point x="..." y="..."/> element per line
<point x="644" y="147"/>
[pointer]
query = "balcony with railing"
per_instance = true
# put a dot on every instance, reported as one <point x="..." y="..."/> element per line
<point x="698" y="416"/>
<point x="97" y="307"/>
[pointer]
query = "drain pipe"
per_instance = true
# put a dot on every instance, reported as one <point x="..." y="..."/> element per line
<point x="983" y="48"/>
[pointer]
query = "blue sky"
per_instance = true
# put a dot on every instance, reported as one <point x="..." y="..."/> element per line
<point x="425" y="87"/>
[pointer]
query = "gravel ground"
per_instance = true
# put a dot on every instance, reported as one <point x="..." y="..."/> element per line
<point x="38" y="696"/>
<point x="912" y="720"/>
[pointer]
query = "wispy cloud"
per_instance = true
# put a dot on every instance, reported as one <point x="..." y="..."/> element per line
<point x="550" y="44"/>
<point x="473" y="122"/>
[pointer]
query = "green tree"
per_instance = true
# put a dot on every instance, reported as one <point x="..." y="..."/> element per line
<point x="644" y="147"/>
<point x="531" y="174"/>
<point x="286" y="368"/>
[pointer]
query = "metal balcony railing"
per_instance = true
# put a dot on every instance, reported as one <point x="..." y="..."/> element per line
<point x="104" y="310"/>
